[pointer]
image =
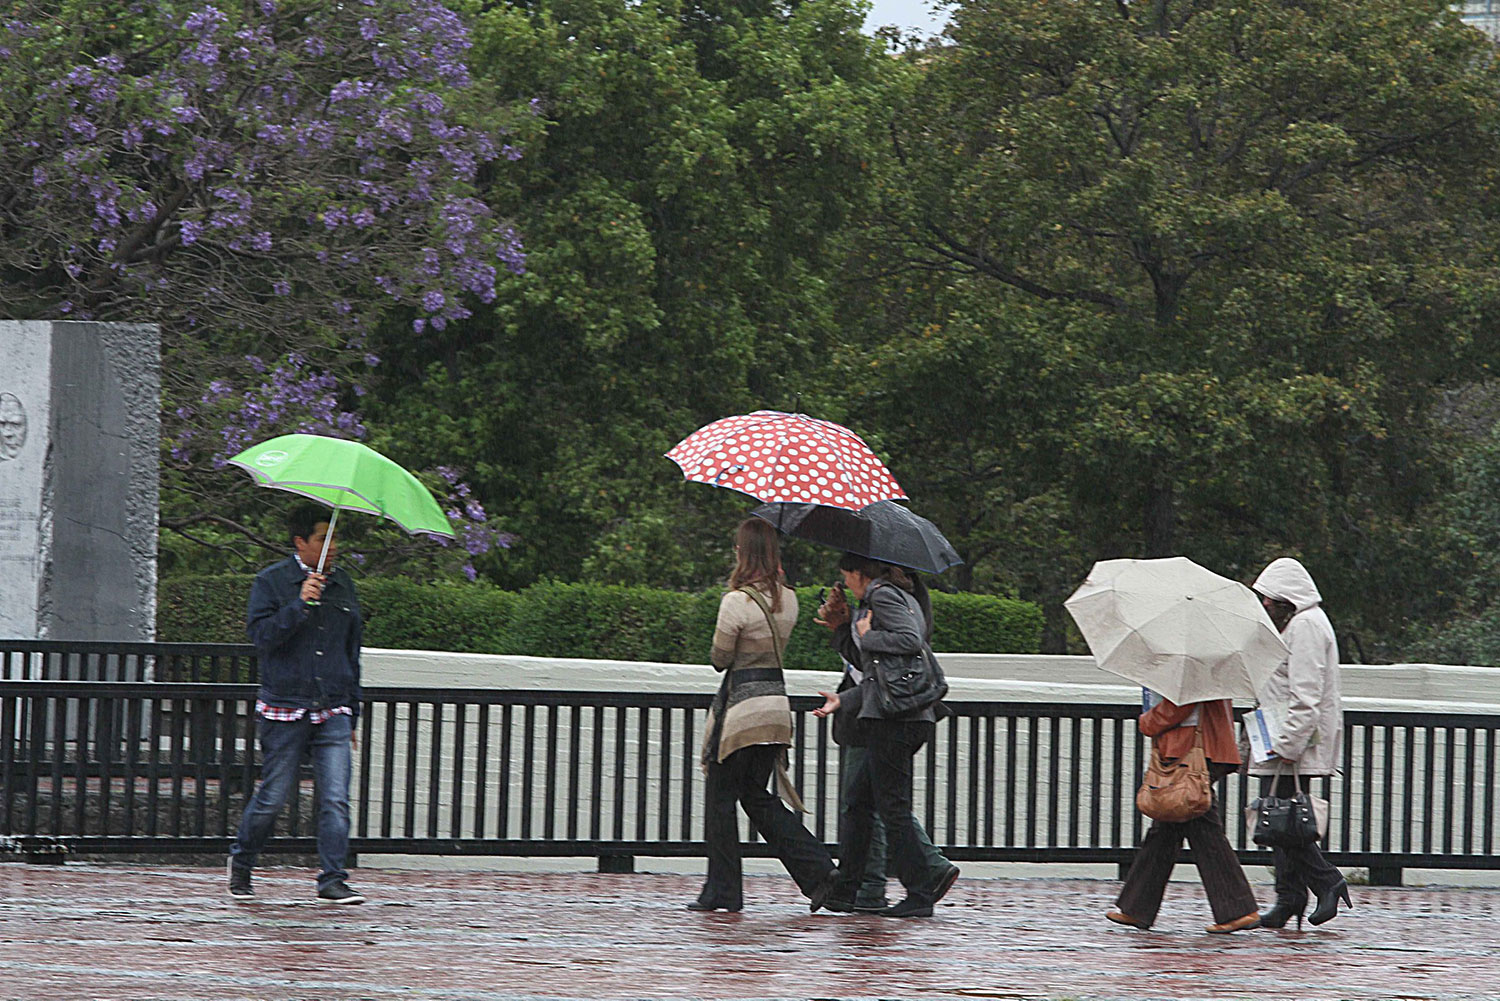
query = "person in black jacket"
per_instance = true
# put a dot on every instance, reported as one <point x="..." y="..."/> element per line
<point x="306" y="628"/>
<point x="888" y="623"/>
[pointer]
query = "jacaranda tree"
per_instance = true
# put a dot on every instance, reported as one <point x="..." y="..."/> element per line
<point x="265" y="179"/>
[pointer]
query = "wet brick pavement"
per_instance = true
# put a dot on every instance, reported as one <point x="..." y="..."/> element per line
<point x="82" y="931"/>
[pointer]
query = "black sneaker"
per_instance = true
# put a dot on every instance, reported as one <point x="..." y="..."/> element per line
<point x="914" y="906"/>
<point x="338" y="892"/>
<point x="944" y="883"/>
<point x="239" y="882"/>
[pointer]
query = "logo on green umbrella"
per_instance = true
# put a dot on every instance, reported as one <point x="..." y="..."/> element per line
<point x="268" y="459"/>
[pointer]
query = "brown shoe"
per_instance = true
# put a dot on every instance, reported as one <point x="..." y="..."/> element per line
<point x="1121" y="918"/>
<point x="1251" y="920"/>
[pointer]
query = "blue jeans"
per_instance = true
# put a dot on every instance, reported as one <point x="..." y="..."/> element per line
<point x="282" y="746"/>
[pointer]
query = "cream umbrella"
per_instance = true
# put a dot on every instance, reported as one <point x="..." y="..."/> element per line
<point x="1177" y="628"/>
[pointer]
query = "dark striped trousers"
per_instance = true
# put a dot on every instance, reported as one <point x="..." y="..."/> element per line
<point x="1224" y="882"/>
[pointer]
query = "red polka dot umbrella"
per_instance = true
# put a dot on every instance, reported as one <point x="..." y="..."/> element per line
<point x="775" y="456"/>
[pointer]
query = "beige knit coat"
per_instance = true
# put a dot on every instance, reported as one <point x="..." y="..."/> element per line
<point x="758" y="711"/>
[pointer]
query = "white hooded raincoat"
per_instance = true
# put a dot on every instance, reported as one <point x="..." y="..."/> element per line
<point x="1306" y="684"/>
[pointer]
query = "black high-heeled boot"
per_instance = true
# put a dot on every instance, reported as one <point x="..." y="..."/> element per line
<point x="1283" y="911"/>
<point x="1328" y="903"/>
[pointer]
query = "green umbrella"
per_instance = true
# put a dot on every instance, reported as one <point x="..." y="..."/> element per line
<point x="347" y="476"/>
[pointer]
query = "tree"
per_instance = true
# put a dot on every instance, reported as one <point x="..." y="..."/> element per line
<point x="267" y="180"/>
<point x="1243" y="246"/>
<point x="691" y="169"/>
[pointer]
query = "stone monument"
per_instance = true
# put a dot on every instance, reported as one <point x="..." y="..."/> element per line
<point x="79" y="435"/>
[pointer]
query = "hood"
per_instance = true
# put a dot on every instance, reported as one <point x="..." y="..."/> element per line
<point x="1288" y="580"/>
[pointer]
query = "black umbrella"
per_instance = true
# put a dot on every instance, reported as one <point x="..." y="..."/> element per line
<point x="883" y="531"/>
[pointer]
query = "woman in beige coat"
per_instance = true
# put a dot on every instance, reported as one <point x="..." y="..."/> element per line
<point x="1305" y="688"/>
<point x="750" y="728"/>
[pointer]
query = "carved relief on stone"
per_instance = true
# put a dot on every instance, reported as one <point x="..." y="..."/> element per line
<point x="12" y="426"/>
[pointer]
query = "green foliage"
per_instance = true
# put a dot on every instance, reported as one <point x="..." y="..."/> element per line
<point x="1097" y="279"/>
<point x="1469" y="632"/>
<point x="407" y="615"/>
<point x="679" y="199"/>
<point x="610" y="622"/>
<point x="399" y="613"/>
<point x="600" y="621"/>
<point x="978" y="623"/>
<point x="208" y="609"/>
<point x="1193" y="278"/>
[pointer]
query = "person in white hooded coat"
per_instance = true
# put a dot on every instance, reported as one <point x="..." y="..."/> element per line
<point x="1306" y="689"/>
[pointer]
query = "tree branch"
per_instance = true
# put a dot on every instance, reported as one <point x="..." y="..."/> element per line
<point x="955" y="250"/>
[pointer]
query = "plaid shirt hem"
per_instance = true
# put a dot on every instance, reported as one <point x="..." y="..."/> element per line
<point x="282" y="714"/>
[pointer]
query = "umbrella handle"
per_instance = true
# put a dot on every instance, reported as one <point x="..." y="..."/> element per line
<point x="327" y="538"/>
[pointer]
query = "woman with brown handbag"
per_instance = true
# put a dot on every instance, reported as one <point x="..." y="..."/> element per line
<point x="1175" y="732"/>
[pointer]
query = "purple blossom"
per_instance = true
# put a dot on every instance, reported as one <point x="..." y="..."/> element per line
<point x="205" y="21"/>
<point x="354" y="121"/>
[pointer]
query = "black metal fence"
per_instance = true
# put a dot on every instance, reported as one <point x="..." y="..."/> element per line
<point x="112" y="766"/>
<point x="70" y="660"/>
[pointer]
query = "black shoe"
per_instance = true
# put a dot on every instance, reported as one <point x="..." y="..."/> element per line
<point x="823" y="891"/>
<point x="239" y="882"/>
<point x="944" y="884"/>
<point x="1328" y="903"/>
<point x="839" y="905"/>
<point x="699" y="905"/>
<point x="914" y="906"/>
<point x="874" y="907"/>
<point x="1282" y="912"/>
<point x="338" y="892"/>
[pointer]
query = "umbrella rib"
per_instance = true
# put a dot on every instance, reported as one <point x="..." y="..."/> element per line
<point x="288" y="484"/>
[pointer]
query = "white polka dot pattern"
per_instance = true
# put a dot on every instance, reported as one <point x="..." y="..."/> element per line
<point x="775" y="456"/>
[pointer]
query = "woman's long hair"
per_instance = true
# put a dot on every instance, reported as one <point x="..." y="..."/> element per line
<point x="910" y="582"/>
<point x="757" y="560"/>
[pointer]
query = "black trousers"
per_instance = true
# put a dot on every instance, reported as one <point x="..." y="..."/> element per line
<point x="1299" y="869"/>
<point x="1229" y="893"/>
<point x="743" y="779"/>
<point x="886" y="792"/>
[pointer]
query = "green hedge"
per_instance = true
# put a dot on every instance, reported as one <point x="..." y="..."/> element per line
<point x="576" y="620"/>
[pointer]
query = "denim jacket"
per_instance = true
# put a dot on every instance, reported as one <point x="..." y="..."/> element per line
<point x="309" y="654"/>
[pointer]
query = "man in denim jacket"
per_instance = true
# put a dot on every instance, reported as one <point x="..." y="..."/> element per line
<point x="306" y="628"/>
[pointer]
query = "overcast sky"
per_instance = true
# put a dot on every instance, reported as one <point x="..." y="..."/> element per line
<point x="906" y="13"/>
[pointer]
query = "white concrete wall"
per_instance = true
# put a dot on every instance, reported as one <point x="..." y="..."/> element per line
<point x="1430" y="688"/>
<point x="1001" y="676"/>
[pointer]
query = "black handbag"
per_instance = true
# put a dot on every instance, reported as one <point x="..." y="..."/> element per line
<point x="1283" y="822"/>
<point x="907" y="683"/>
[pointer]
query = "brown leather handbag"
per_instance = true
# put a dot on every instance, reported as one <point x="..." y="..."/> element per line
<point x="1176" y="792"/>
